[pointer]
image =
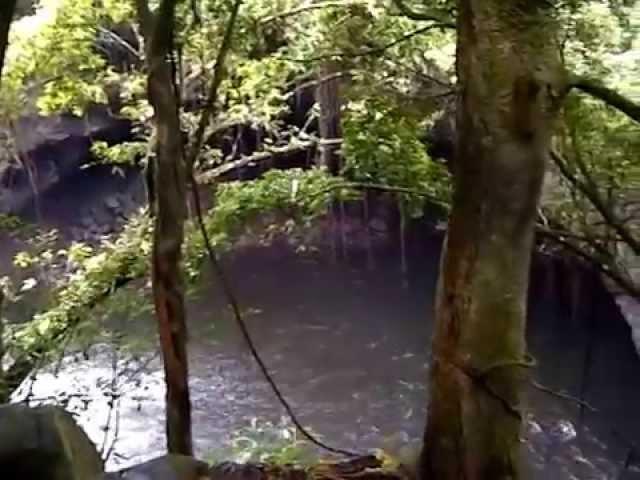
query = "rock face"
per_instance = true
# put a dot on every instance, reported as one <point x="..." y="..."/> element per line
<point x="51" y="149"/>
<point x="45" y="443"/>
<point x="167" y="467"/>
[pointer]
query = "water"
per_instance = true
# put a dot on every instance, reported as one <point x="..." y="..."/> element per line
<point x="349" y="348"/>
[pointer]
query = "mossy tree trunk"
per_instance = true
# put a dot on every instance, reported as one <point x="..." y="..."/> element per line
<point x="509" y="74"/>
<point x="170" y="213"/>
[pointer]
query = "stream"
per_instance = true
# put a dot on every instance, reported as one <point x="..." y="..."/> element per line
<point x="349" y="347"/>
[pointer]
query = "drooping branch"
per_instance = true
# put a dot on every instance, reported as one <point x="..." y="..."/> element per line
<point x="591" y="192"/>
<point x="63" y="320"/>
<point x="608" y="96"/>
<point x="7" y="9"/>
<point x="624" y="282"/>
<point x="423" y="16"/>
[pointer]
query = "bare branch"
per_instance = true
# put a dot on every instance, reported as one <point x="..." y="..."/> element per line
<point x="307" y="8"/>
<point x="563" y="395"/>
<point x="617" y="277"/>
<point x="591" y="192"/>
<point x="608" y="96"/>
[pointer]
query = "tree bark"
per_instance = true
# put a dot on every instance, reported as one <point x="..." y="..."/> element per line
<point x="170" y="214"/>
<point x="7" y="9"/>
<point x="508" y="72"/>
<point x="329" y="124"/>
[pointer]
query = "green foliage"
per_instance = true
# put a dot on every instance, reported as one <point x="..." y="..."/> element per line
<point x="299" y="196"/>
<point x="598" y="144"/>
<point x="92" y="279"/>
<point x="600" y="148"/>
<point x="10" y="223"/>
<point x="58" y="60"/>
<point x="127" y="153"/>
<point x="265" y="442"/>
<point x="94" y="275"/>
<point x="381" y="145"/>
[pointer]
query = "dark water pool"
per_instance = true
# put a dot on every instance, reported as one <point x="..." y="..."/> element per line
<point x="349" y="347"/>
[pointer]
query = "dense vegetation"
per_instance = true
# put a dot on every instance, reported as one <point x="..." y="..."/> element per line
<point x="388" y="82"/>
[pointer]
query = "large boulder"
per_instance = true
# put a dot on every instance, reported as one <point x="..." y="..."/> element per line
<point x="167" y="467"/>
<point x="45" y="443"/>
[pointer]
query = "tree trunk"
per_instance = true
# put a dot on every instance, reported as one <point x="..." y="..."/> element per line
<point x="328" y="98"/>
<point x="508" y="70"/>
<point x="168" y="288"/>
<point x="7" y="9"/>
<point x="4" y="392"/>
<point x="168" y="235"/>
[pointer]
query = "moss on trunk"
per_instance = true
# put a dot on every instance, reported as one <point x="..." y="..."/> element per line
<point x="508" y="70"/>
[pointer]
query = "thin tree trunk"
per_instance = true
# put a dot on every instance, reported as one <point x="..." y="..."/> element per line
<point x="404" y="269"/>
<point x="7" y="9"/>
<point x="329" y="124"/>
<point x="4" y="392"/>
<point x="329" y="127"/>
<point x="367" y="228"/>
<point x="507" y="69"/>
<point x="170" y="213"/>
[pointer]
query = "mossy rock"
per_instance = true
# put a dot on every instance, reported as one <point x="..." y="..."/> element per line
<point x="45" y="442"/>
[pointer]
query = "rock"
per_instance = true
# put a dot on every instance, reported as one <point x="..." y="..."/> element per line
<point x="56" y="147"/>
<point x="167" y="467"/>
<point x="45" y="442"/>
<point x="113" y="203"/>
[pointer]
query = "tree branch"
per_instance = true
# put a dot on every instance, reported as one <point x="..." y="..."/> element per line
<point x="209" y="111"/>
<point x="618" y="278"/>
<point x="120" y="41"/>
<point x="590" y="191"/>
<point x="422" y="16"/>
<point x="371" y="51"/>
<point x="563" y="395"/>
<point x="306" y="8"/>
<point x="298" y="146"/>
<point x="608" y="96"/>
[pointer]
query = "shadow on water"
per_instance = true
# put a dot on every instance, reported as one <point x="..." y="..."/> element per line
<point x="349" y="348"/>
